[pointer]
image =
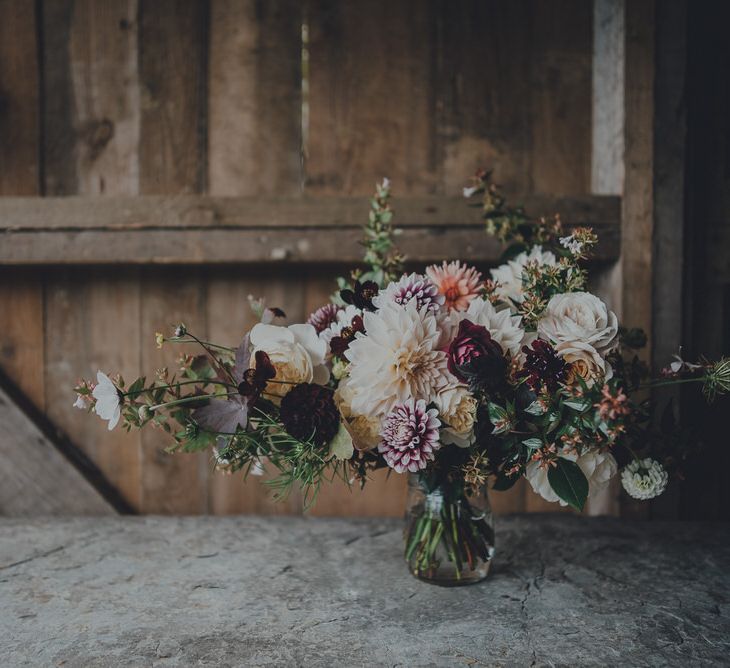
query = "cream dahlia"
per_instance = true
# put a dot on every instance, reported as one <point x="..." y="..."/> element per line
<point x="397" y="358"/>
<point x="458" y="283"/>
<point x="411" y="287"/>
<point x="509" y="276"/>
<point x="644" y="478"/>
<point x="409" y="436"/>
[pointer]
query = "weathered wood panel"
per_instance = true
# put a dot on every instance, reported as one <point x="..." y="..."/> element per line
<point x="35" y="478"/>
<point x="19" y="101"/>
<point x="254" y="144"/>
<point x="173" y="78"/>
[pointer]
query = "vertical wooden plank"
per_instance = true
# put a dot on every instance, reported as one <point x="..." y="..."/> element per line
<point x="173" y="77"/>
<point x="19" y="117"/>
<point x="92" y="111"/>
<point x="21" y="293"/>
<point x="561" y="96"/>
<point x="254" y="137"/>
<point x="91" y="325"/>
<point x="21" y="332"/>
<point x="482" y="86"/>
<point x="91" y="133"/>
<point x="229" y="318"/>
<point x="370" y="98"/>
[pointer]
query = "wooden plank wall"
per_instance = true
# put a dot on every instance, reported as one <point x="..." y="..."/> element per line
<point x="128" y="97"/>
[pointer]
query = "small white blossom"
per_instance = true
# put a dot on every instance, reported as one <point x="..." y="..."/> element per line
<point x="644" y="479"/>
<point x="82" y="402"/>
<point x="386" y="183"/>
<point x="108" y="400"/>
<point x="572" y="244"/>
<point x="469" y="191"/>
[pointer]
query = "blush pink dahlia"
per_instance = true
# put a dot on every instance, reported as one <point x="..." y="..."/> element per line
<point x="409" y="436"/>
<point x="411" y="287"/>
<point x="458" y="283"/>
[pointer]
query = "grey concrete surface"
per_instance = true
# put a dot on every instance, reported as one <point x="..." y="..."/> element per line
<point x="251" y="591"/>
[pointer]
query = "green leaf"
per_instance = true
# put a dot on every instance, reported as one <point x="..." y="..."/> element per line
<point x="535" y="408"/>
<point x="341" y="445"/>
<point x="533" y="443"/>
<point x="577" y="405"/>
<point x="496" y="413"/>
<point x="569" y="483"/>
<point x="503" y="482"/>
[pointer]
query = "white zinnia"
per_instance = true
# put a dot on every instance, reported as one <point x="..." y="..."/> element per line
<point x="598" y="467"/>
<point x="504" y="328"/>
<point x="644" y="478"/>
<point x="396" y="359"/>
<point x="296" y="352"/>
<point x="108" y="400"/>
<point x="509" y="276"/>
<point x="579" y="317"/>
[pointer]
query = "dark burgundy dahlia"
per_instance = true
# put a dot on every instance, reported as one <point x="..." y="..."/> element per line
<point x="474" y="352"/>
<point x="543" y="367"/>
<point x="308" y="411"/>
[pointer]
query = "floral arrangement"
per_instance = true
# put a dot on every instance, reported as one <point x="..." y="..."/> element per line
<point x="460" y="378"/>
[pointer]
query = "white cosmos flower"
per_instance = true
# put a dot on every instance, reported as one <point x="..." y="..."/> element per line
<point x="509" y="275"/>
<point x="397" y="359"/>
<point x="108" y="400"/>
<point x="504" y="328"/>
<point x="598" y="467"/>
<point x="296" y="352"/>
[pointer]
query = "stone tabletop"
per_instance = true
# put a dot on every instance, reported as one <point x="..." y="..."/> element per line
<point x="246" y="591"/>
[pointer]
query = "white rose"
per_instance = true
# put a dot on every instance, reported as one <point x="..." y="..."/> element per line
<point x="509" y="275"/>
<point x="296" y="352"/>
<point x="458" y="409"/>
<point x="504" y="328"/>
<point x="585" y="362"/>
<point x="597" y="467"/>
<point x="579" y="316"/>
<point x="364" y="429"/>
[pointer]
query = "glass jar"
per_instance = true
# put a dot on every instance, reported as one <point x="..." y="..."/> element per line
<point x="449" y="534"/>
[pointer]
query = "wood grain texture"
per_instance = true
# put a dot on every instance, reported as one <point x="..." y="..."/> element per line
<point x="561" y="96"/>
<point x="254" y="136"/>
<point x="92" y="326"/>
<point x="19" y="99"/>
<point x="35" y="478"/>
<point x="481" y="80"/>
<point x="370" y="97"/>
<point x="91" y="79"/>
<point x="173" y="77"/>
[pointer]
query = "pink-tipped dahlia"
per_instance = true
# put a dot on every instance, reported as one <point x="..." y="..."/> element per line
<point x="409" y="436"/>
<point x="411" y="287"/>
<point x="458" y="283"/>
<point x="323" y="317"/>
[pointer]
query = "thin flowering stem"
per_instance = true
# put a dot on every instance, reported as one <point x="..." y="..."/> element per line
<point x="666" y="383"/>
<point x="182" y="382"/>
<point x="187" y="400"/>
<point x="202" y="342"/>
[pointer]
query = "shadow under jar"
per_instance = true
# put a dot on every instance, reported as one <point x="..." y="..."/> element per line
<point x="449" y="534"/>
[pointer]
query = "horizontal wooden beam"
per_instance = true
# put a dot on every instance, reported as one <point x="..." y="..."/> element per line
<point x="206" y="230"/>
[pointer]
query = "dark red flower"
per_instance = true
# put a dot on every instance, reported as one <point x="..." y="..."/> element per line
<point x="254" y="380"/>
<point x="308" y="412"/>
<point x="339" y="344"/>
<point x="361" y="295"/>
<point x="472" y="343"/>
<point x="543" y="367"/>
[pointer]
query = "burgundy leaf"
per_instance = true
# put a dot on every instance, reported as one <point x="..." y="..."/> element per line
<point x="223" y="415"/>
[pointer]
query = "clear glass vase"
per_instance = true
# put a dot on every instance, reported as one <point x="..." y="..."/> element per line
<point x="449" y="534"/>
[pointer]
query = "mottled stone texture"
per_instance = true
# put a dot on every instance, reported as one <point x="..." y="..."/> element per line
<point x="252" y="591"/>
